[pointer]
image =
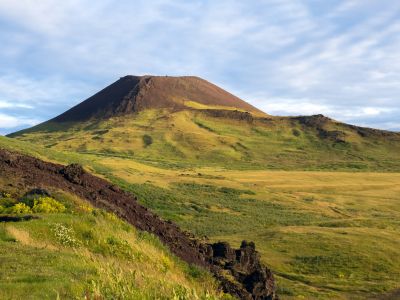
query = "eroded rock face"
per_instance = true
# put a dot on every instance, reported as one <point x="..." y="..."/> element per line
<point x="73" y="173"/>
<point x="252" y="280"/>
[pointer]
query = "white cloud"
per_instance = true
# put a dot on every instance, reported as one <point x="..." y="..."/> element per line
<point x="7" y="121"/>
<point x="6" y="104"/>
<point x="18" y="91"/>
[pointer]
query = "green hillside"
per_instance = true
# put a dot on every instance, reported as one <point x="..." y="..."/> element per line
<point x="225" y="138"/>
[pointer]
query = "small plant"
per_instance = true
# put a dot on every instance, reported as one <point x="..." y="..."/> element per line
<point x="86" y="208"/>
<point x="147" y="140"/>
<point x="118" y="248"/>
<point x="19" y="208"/>
<point x="6" y="202"/>
<point x="5" y="195"/>
<point x="65" y="235"/>
<point x="296" y="132"/>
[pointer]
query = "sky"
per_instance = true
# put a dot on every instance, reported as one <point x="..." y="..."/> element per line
<point x="286" y="57"/>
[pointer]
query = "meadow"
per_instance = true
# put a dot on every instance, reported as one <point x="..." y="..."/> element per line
<point x="325" y="234"/>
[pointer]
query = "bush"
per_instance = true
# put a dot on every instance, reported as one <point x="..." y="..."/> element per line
<point x="6" y="201"/>
<point x="47" y="205"/>
<point x="118" y="248"/>
<point x="296" y="132"/>
<point x="147" y="140"/>
<point x="20" y="208"/>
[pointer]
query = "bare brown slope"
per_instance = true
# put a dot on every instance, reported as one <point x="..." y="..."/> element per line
<point x="251" y="280"/>
<point x="134" y="93"/>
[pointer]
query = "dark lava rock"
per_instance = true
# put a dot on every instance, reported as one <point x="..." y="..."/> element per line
<point x="17" y="218"/>
<point x="73" y="173"/>
<point x="316" y="121"/>
<point x="223" y="250"/>
<point x="37" y="192"/>
<point x="229" y="114"/>
<point x="245" y="267"/>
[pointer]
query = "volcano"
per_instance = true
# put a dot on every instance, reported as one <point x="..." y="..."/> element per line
<point x="132" y="94"/>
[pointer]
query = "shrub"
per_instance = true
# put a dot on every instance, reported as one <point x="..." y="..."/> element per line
<point x="47" y="205"/>
<point x="20" y="208"/>
<point x="296" y="132"/>
<point x="147" y="140"/>
<point x="118" y="248"/>
<point x="5" y="195"/>
<point x="6" y="201"/>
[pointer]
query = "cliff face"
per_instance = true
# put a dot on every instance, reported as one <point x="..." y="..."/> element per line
<point x="239" y="271"/>
<point x="130" y="94"/>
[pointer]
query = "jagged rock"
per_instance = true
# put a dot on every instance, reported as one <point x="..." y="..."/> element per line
<point x="229" y="114"/>
<point x="245" y="267"/>
<point x="316" y="121"/>
<point x="73" y="173"/>
<point x="223" y="250"/>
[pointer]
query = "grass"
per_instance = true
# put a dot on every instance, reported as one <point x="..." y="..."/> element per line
<point x="86" y="252"/>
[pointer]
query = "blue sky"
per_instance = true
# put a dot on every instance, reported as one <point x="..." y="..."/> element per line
<point x="287" y="57"/>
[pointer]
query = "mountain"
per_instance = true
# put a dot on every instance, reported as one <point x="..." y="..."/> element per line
<point x="132" y="94"/>
<point x="189" y="121"/>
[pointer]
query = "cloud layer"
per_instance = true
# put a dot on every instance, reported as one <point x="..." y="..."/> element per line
<point x="288" y="57"/>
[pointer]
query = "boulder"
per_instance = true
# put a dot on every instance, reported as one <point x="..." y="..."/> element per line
<point x="73" y="173"/>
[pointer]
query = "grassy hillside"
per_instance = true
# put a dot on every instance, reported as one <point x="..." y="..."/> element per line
<point x="202" y="138"/>
<point x="327" y="235"/>
<point x="81" y="252"/>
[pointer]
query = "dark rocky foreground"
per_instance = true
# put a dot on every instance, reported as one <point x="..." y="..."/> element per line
<point x="239" y="271"/>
